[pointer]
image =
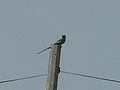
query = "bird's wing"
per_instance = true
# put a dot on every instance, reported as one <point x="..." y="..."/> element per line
<point x="59" y="41"/>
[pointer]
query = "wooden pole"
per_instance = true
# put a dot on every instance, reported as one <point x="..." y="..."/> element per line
<point x="53" y="67"/>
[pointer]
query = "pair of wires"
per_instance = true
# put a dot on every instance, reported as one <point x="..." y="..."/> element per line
<point x="66" y="72"/>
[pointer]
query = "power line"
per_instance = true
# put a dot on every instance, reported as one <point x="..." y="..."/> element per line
<point x="18" y="79"/>
<point x="89" y="76"/>
<point x="77" y="74"/>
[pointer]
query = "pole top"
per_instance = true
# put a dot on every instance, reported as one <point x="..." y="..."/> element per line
<point x="56" y="45"/>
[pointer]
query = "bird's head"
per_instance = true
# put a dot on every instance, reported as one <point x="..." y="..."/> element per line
<point x="63" y="35"/>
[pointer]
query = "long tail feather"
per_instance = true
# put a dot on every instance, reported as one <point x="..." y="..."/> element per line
<point x="43" y="50"/>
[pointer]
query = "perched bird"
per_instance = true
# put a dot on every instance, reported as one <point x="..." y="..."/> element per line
<point x="59" y="42"/>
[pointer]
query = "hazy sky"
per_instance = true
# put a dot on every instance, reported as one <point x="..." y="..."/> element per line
<point x="92" y="47"/>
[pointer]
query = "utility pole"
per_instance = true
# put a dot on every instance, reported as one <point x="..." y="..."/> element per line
<point x="53" y="67"/>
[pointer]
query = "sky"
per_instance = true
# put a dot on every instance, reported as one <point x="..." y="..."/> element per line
<point x="92" y="28"/>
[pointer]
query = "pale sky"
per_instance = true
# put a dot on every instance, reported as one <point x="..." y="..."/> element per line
<point x="92" y="28"/>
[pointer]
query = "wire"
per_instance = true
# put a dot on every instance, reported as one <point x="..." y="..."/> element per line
<point x="94" y="77"/>
<point x="77" y="74"/>
<point x="17" y="79"/>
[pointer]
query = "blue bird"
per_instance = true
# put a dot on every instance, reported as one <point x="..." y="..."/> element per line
<point x="59" y="42"/>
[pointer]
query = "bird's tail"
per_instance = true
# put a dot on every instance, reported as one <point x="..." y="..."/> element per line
<point x="43" y="50"/>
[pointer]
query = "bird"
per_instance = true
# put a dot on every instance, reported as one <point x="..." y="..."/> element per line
<point x="59" y="42"/>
